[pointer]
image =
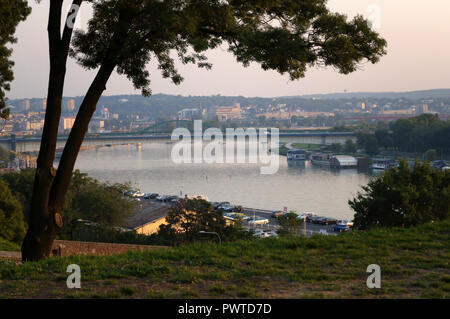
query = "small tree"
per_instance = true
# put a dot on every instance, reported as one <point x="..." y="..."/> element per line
<point x="335" y="147"/>
<point x="191" y="216"/>
<point x="371" y="145"/>
<point x="4" y="155"/>
<point x="289" y="223"/>
<point x="350" y="146"/>
<point x="12" y="225"/>
<point x="403" y="197"/>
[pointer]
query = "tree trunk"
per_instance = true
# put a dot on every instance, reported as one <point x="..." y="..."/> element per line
<point x="43" y="222"/>
<point x="50" y="186"/>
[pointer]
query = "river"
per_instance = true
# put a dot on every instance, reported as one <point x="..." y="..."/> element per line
<point x="298" y="187"/>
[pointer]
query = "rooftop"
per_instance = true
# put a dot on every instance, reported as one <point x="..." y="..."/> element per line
<point x="150" y="212"/>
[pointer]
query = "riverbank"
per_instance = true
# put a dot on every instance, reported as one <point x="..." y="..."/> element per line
<point x="414" y="264"/>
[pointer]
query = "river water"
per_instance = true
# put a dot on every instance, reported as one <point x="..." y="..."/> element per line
<point x="150" y="168"/>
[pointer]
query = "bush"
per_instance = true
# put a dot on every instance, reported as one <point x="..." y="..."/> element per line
<point x="12" y="225"/>
<point x="403" y="197"/>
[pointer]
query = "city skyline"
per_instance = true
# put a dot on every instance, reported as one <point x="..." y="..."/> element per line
<point x="412" y="31"/>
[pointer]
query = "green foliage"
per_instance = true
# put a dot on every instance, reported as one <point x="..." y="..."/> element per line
<point x="12" y="225"/>
<point x="350" y="147"/>
<point x="21" y="185"/>
<point x="287" y="36"/>
<point x="403" y="197"/>
<point x="101" y="203"/>
<point x="369" y="142"/>
<point x="289" y="223"/>
<point x="190" y="216"/>
<point x="431" y="155"/>
<point x="335" y="147"/>
<point x="8" y="246"/>
<point x="4" y="155"/>
<point x="417" y="134"/>
<point x="87" y="198"/>
<point x="12" y="12"/>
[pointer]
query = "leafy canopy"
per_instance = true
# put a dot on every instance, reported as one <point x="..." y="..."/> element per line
<point x="12" y="224"/>
<point x="403" y="197"/>
<point x="283" y="35"/>
<point x="11" y="13"/>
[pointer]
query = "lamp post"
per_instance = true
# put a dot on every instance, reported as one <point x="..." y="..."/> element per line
<point x="211" y="232"/>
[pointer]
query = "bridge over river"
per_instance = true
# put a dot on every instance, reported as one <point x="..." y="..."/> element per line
<point x="30" y="144"/>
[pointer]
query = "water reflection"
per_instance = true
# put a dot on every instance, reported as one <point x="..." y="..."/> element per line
<point x="297" y="185"/>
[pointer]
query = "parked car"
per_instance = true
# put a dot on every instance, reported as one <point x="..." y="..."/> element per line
<point x="226" y="207"/>
<point x="170" y="198"/>
<point x="222" y="205"/>
<point x="345" y="222"/>
<point x="341" y="228"/>
<point x="277" y="213"/>
<point x="316" y="219"/>
<point x="215" y="204"/>
<point x="138" y="194"/>
<point x="309" y="217"/>
<point x="327" y="221"/>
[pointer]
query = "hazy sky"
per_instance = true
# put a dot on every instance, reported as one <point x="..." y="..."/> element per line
<point x="418" y="35"/>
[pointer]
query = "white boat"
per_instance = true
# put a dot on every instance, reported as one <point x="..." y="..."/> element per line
<point x="383" y="163"/>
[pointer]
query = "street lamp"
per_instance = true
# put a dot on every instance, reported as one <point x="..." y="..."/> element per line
<point x="211" y="232"/>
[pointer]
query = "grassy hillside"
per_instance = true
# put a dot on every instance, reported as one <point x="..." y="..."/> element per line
<point x="414" y="263"/>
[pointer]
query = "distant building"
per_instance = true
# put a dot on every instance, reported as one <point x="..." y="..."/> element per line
<point x="363" y="106"/>
<point x="343" y="161"/>
<point x="188" y="114"/>
<point x="422" y="109"/>
<point x="68" y="122"/>
<point x="34" y="125"/>
<point x="105" y="113"/>
<point x="97" y="126"/>
<point x="225" y="113"/>
<point x="44" y="104"/>
<point x="24" y="105"/>
<point x="70" y="105"/>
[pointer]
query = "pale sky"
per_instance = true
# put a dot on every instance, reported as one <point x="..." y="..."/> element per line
<point x="418" y="35"/>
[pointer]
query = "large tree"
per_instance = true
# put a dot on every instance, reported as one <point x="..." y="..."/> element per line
<point x="124" y="35"/>
<point x="11" y="13"/>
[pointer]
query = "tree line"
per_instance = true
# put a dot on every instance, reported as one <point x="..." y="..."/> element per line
<point x="414" y="135"/>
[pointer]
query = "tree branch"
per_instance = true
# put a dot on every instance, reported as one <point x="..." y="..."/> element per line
<point x="67" y="33"/>
<point x="54" y="25"/>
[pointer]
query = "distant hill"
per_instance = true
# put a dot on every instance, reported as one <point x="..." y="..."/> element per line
<point x="412" y="95"/>
<point x="166" y="105"/>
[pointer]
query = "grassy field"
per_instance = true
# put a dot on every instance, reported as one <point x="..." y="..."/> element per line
<point x="414" y="263"/>
<point x="304" y="146"/>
